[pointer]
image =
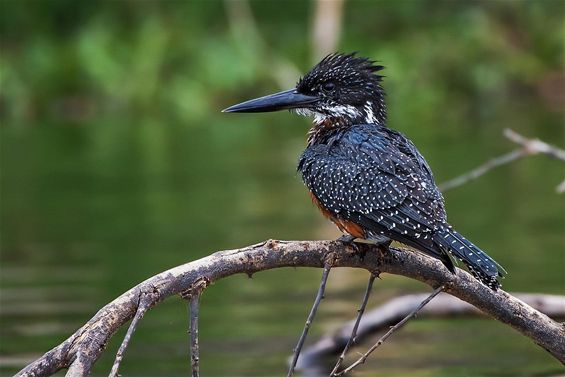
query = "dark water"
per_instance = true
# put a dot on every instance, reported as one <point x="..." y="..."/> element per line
<point x="90" y="211"/>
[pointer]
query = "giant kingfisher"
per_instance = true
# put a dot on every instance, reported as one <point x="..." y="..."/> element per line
<point x="368" y="179"/>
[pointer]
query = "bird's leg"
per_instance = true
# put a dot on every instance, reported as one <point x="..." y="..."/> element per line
<point x="347" y="239"/>
<point x="383" y="243"/>
<point x="381" y="240"/>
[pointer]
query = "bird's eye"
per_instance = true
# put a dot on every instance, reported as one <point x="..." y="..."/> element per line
<point x="328" y="86"/>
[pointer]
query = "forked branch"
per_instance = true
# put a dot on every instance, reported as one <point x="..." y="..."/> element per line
<point x="84" y="347"/>
<point x="529" y="147"/>
<point x="391" y="312"/>
<point x="394" y="328"/>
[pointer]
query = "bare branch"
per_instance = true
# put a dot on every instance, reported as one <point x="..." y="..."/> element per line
<point x="80" y="366"/>
<point x="319" y="297"/>
<point x="394" y="328"/>
<point x="535" y="146"/>
<point x="194" y="305"/>
<point x="392" y="311"/>
<point x="193" y="296"/>
<point x="484" y="168"/>
<point x="142" y="308"/>
<point x="529" y="147"/>
<point x="91" y="339"/>
<point x="353" y="338"/>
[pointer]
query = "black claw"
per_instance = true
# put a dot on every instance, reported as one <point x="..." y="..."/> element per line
<point x="382" y="241"/>
<point x="349" y="240"/>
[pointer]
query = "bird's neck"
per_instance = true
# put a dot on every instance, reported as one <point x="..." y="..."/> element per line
<point x="326" y="125"/>
<point x="323" y="130"/>
<point x="374" y="111"/>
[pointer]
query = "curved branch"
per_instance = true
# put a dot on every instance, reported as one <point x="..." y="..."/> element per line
<point x="84" y="347"/>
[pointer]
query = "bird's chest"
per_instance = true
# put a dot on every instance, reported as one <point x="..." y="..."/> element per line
<point x="331" y="167"/>
<point x="340" y="221"/>
<point x="330" y="173"/>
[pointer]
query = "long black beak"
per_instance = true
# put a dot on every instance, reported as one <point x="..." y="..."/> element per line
<point x="289" y="99"/>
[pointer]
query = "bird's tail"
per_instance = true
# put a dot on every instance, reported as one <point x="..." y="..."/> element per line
<point x="482" y="266"/>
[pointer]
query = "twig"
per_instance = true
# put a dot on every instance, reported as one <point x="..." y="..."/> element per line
<point x="353" y="337"/>
<point x="482" y="169"/>
<point x="362" y="359"/>
<point x="80" y="367"/>
<point x="319" y="297"/>
<point x="529" y="147"/>
<point x="193" y="294"/>
<point x="535" y="146"/>
<point x="392" y="311"/>
<point x="142" y="308"/>
<point x="194" y="304"/>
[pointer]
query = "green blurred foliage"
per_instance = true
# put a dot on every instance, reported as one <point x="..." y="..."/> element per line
<point x="66" y="59"/>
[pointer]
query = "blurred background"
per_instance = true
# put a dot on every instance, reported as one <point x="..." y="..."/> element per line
<point x="116" y="163"/>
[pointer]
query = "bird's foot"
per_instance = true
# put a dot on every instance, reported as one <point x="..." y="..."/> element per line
<point x="349" y="240"/>
<point x="382" y="241"/>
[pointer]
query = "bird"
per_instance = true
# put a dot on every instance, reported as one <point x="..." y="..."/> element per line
<point x="367" y="178"/>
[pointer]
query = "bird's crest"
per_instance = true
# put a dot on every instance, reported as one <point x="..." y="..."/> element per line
<point x="355" y="69"/>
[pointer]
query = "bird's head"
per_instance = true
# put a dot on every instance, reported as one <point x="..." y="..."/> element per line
<point x="345" y="88"/>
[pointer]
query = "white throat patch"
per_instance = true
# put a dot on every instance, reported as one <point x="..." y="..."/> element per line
<point x="338" y="111"/>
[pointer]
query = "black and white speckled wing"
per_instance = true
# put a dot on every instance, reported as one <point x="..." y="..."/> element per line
<point x="362" y="176"/>
<point x="480" y="264"/>
<point x="376" y="178"/>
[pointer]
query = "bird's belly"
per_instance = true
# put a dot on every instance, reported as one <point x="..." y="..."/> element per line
<point x="344" y="225"/>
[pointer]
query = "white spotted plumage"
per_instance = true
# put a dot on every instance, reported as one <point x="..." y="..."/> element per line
<point x="362" y="172"/>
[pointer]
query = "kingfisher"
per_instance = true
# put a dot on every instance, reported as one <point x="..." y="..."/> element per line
<point x="368" y="179"/>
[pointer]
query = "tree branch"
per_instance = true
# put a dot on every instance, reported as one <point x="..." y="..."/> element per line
<point x="535" y="146"/>
<point x="143" y="306"/>
<point x="394" y="328"/>
<point x="392" y="311"/>
<point x="353" y="337"/>
<point x="194" y="307"/>
<point x="319" y="297"/>
<point x="529" y="147"/>
<point x="84" y="347"/>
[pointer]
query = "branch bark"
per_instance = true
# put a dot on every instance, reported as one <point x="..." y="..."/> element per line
<point x="84" y="347"/>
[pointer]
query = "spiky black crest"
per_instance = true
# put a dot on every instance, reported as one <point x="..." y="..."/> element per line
<point x="345" y="68"/>
<point x="349" y="90"/>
